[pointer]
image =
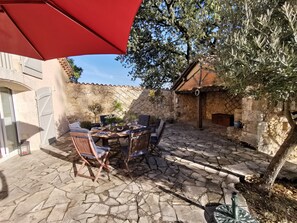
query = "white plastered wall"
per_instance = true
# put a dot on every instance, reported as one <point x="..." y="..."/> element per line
<point x="23" y="88"/>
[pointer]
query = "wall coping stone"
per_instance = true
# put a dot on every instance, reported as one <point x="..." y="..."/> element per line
<point x="114" y="85"/>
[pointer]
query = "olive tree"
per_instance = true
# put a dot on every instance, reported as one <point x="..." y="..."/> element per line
<point x="166" y="36"/>
<point x="257" y="56"/>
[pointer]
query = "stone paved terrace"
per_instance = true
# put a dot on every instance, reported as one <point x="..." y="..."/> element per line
<point x="196" y="171"/>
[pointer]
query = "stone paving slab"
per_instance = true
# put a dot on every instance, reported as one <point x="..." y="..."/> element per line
<point x="196" y="171"/>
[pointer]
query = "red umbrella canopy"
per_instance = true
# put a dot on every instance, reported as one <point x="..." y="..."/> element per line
<point x="47" y="29"/>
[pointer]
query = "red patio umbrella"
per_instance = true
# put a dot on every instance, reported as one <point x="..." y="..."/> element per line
<point x="47" y="29"/>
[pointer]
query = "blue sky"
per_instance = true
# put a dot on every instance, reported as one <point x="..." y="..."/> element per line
<point x="103" y="69"/>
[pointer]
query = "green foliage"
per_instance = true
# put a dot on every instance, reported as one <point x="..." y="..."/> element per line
<point x="257" y="54"/>
<point x="112" y="119"/>
<point x="166" y="37"/>
<point x="156" y="96"/>
<point x="96" y="108"/>
<point x="77" y="71"/>
<point x="86" y="125"/>
<point x="117" y="106"/>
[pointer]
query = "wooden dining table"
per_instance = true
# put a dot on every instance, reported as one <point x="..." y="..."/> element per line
<point x="106" y="134"/>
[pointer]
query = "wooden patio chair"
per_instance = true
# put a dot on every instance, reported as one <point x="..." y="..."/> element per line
<point x="156" y="137"/>
<point x="89" y="153"/>
<point x="138" y="146"/>
<point x="144" y="120"/>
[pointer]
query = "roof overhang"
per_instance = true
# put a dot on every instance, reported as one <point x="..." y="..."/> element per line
<point x="203" y="89"/>
<point x="184" y="75"/>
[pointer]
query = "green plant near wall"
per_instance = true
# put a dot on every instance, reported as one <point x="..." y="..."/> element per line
<point x="112" y="119"/>
<point x="155" y="96"/>
<point x="118" y="107"/>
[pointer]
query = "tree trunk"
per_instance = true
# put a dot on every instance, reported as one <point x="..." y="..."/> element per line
<point x="279" y="159"/>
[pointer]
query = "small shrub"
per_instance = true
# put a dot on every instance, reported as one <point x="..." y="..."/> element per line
<point x="95" y="108"/>
<point x="86" y="125"/>
<point x="117" y="106"/>
<point x="111" y="119"/>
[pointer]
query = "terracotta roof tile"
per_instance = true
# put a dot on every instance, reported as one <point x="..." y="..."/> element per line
<point x="66" y="66"/>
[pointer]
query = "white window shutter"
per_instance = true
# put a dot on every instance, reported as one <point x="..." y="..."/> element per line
<point x="32" y="67"/>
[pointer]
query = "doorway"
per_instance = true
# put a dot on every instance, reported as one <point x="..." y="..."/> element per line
<point x="8" y="129"/>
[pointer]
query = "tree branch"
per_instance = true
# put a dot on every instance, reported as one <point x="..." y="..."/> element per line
<point x="287" y="113"/>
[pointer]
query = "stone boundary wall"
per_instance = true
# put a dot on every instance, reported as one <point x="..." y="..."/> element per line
<point x="133" y="101"/>
<point x="264" y="129"/>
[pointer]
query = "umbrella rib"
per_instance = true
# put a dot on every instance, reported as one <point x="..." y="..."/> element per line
<point x="63" y="12"/>
<point x="20" y="1"/>
<point x="23" y="34"/>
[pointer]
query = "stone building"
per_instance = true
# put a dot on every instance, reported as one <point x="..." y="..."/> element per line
<point x="200" y="96"/>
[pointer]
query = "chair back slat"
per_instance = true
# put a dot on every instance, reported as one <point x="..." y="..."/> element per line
<point x="83" y="142"/>
<point x="144" y="120"/>
<point x="139" y="141"/>
<point x="160" y="130"/>
<point x="103" y="119"/>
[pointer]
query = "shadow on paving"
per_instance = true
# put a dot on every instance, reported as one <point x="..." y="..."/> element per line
<point x="4" y="186"/>
<point x="195" y="167"/>
<point x="186" y="183"/>
<point x="214" y="150"/>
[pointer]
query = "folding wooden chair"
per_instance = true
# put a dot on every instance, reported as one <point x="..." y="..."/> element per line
<point x="89" y="153"/>
<point x="144" y="120"/>
<point x="138" y="146"/>
<point x="156" y="137"/>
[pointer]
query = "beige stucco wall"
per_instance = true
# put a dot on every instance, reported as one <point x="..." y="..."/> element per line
<point x="27" y="117"/>
<point x="54" y="76"/>
<point x="23" y="88"/>
<point x="133" y="100"/>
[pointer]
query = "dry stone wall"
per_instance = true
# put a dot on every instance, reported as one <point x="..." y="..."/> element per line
<point x="220" y="102"/>
<point x="132" y="100"/>
<point x="186" y="108"/>
<point x="251" y="117"/>
<point x="265" y="129"/>
<point x="212" y="103"/>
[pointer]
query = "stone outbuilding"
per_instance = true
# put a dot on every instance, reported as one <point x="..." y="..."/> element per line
<point x="199" y="95"/>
